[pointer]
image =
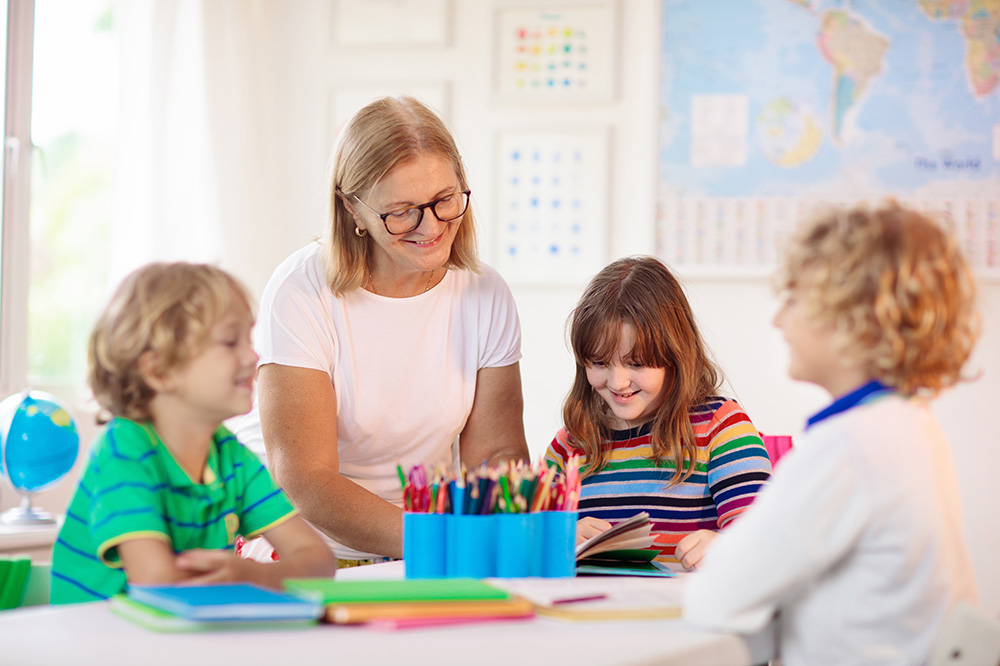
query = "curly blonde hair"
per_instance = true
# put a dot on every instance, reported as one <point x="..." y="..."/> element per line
<point x="167" y="308"/>
<point x="643" y="293"/>
<point x="383" y="135"/>
<point x="894" y="283"/>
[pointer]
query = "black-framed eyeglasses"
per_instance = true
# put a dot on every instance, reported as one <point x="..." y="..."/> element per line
<point x="446" y="209"/>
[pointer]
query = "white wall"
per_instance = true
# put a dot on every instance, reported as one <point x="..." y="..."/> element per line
<point x="735" y="315"/>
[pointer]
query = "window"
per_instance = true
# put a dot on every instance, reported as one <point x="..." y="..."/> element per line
<point x="60" y="216"/>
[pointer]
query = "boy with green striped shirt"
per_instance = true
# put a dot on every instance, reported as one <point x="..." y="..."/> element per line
<point x="167" y="487"/>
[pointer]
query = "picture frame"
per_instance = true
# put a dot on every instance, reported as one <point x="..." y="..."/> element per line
<point x="345" y="100"/>
<point x="557" y="53"/>
<point x="551" y="204"/>
<point x="392" y="23"/>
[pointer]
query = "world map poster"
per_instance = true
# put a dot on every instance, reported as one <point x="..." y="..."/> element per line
<point x="770" y="107"/>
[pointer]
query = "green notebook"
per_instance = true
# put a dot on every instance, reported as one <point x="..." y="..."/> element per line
<point x="13" y="576"/>
<point x="331" y="590"/>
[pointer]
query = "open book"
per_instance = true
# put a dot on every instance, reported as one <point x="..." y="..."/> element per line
<point x="624" y="550"/>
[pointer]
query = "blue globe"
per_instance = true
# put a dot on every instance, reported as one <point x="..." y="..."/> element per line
<point x="38" y="440"/>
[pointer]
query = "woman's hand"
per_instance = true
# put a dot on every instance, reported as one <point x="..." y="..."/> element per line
<point x="588" y="527"/>
<point x="693" y="547"/>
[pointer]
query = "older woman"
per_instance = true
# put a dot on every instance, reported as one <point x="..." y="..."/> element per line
<point x="388" y="340"/>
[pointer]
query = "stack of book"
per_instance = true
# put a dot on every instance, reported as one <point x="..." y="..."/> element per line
<point x="396" y="604"/>
<point x="180" y="608"/>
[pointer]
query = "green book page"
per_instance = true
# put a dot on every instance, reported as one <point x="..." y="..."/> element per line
<point x="330" y="590"/>
<point x="619" y="568"/>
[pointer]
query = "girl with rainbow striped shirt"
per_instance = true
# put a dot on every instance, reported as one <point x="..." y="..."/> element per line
<point x="645" y="415"/>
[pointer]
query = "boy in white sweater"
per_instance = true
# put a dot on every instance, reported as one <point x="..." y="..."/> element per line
<point x="856" y="547"/>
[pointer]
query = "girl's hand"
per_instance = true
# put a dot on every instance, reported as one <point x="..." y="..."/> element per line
<point x="693" y="547"/>
<point x="212" y="566"/>
<point x="589" y="526"/>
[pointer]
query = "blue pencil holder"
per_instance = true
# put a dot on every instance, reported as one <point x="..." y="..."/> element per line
<point x="503" y="545"/>
<point x="559" y="544"/>
<point x="471" y="550"/>
<point x="519" y="546"/>
<point x="424" y="544"/>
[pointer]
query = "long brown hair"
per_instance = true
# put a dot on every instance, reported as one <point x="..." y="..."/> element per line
<point x="383" y="135"/>
<point x="640" y="292"/>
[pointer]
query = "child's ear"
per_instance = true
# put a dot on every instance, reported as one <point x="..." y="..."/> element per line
<point x="152" y="372"/>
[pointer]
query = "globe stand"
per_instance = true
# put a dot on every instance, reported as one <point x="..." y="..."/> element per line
<point x="27" y="514"/>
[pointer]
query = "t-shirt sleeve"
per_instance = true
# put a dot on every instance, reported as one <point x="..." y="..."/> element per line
<point x="738" y="465"/>
<point x="264" y="504"/>
<point x="292" y="327"/>
<point x="125" y="497"/>
<point x="500" y="328"/>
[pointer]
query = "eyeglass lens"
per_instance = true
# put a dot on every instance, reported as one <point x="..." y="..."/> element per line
<point x="447" y="209"/>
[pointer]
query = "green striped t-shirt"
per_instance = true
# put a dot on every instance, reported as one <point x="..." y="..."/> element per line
<point x="133" y="488"/>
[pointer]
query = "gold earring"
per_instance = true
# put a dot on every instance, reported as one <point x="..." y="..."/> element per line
<point x="359" y="232"/>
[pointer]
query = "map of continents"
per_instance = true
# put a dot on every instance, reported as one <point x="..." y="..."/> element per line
<point x="844" y="99"/>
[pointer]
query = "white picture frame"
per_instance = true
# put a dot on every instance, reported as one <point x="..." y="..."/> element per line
<point x="392" y="23"/>
<point x="346" y="100"/>
<point x="551" y="204"/>
<point x="557" y="53"/>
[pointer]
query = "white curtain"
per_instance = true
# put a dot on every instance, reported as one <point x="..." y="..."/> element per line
<point x="198" y="175"/>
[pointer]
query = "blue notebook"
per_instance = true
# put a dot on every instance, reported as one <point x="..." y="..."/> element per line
<point x="225" y="603"/>
<point x="159" y="620"/>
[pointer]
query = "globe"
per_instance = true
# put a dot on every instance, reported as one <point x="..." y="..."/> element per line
<point x="39" y="443"/>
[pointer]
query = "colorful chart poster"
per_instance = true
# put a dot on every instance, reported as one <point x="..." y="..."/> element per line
<point x="558" y="54"/>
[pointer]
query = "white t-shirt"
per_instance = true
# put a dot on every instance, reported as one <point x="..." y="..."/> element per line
<point x="404" y="369"/>
<point x="857" y="541"/>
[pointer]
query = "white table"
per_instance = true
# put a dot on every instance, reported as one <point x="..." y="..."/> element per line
<point x="91" y="634"/>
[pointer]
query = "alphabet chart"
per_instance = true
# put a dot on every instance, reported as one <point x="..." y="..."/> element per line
<point x="739" y="236"/>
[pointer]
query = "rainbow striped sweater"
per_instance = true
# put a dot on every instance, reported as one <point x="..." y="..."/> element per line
<point x="731" y="468"/>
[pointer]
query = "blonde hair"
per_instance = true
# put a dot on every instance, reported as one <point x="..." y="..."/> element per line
<point x="894" y="283"/>
<point x="166" y="308"/>
<point x="383" y="135"/>
<point x="641" y="292"/>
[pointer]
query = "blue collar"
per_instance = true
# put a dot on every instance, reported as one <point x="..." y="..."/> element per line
<point x="870" y="391"/>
